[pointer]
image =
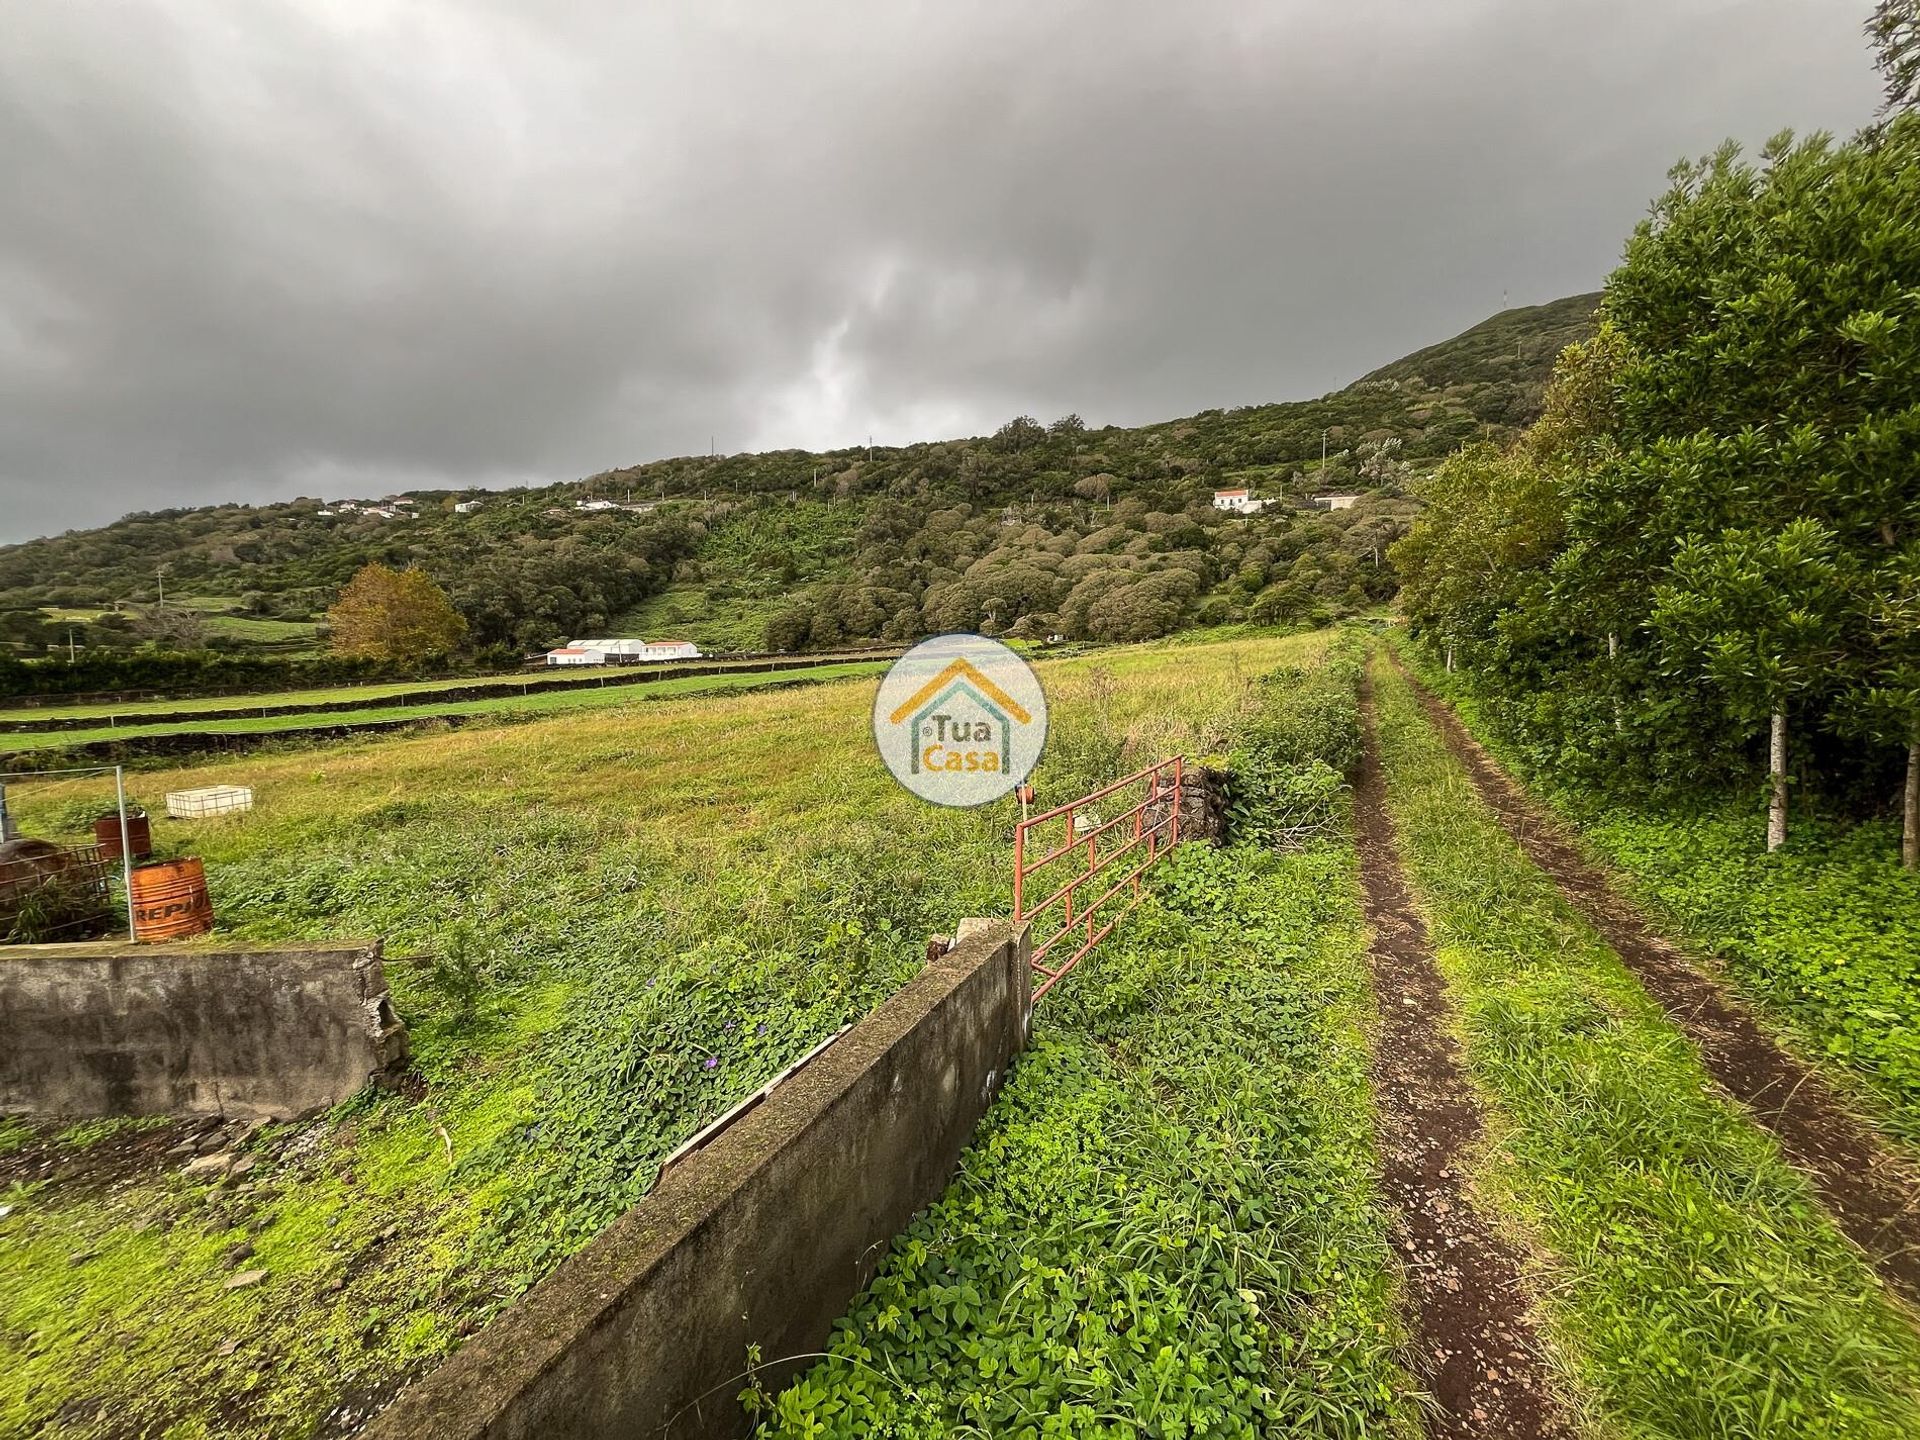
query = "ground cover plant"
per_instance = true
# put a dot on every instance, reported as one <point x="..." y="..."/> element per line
<point x="1691" y="1277"/>
<point x="1166" y="1224"/>
<point x="604" y="929"/>
<point x="1823" y="935"/>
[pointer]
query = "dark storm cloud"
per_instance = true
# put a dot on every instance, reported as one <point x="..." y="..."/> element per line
<point x="262" y="250"/>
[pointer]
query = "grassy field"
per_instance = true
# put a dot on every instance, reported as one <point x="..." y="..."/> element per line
<point x="753" y="565"/>
<point x="369" y="694"/>
<point x="299" y="637"/>
<point x="287" y="637"/>
<point x="1692" y="1276"/>
<point x="693" y="612"/>
<point x="604" y="929"/>
<point x="537" y="702"/>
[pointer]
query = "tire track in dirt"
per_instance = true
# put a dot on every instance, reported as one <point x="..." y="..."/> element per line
<point x="1872" y="1192"/>
<point x="1475" y="1346"/>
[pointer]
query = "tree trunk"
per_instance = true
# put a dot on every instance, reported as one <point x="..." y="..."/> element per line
<point x="1449" y="659"/>
<point x="1613" y="656"/>
<point x="1910" y="811"/>
<point x="1777" y="781"/>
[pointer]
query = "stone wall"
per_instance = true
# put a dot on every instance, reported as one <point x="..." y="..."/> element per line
<point x="760" y="1238"/>
<point x="260" y="1032"/>
<point x="1203" y="806"/>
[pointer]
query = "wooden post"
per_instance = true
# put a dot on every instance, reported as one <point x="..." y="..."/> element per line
<point x="1777" y="777"/>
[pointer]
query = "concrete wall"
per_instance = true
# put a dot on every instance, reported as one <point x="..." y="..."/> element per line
<point x="264" y="1032"/>
<point x="762" y="1237"/>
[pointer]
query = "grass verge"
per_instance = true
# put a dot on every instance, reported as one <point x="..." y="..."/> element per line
<point x="1823" y="936"/>
<point x="1697" y="1283"/>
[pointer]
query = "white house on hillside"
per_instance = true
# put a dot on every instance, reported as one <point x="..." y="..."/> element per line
<point x="595" y="505"/>
<point x="1335" y="502"/>
<point x="1238" y="502"/>
<point x="576" y="655"/>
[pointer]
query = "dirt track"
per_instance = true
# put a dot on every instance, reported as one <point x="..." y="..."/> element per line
<point x="1475" y="1345"/>
<point x="1872" y="1192"/>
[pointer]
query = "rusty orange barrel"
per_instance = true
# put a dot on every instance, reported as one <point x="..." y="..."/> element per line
<point x="170" y="900"/>
<point x="106" y="833"/>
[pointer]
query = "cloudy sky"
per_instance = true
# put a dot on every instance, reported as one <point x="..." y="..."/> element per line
<point x="249" y="251"/>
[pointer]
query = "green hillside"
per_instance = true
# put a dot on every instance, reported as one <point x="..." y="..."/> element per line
<point x="1515" y="348"/>
<point x="1099" y="533"/>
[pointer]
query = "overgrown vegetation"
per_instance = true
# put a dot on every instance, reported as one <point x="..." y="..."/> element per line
<point x="1291" y="759"/>
<point x="1691" y="1276"/>
<point x="1166" y="1224"/>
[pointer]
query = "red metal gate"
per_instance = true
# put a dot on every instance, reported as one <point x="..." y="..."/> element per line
<point x="1151" y="820"/>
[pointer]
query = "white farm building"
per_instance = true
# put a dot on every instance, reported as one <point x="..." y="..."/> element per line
<point x="622" y="652"/>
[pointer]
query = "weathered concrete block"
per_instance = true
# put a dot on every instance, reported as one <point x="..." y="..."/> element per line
<point x="261" y="1032"/>
<point x="761" y="1238"/>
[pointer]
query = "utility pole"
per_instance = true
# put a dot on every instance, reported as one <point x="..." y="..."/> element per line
<point x="1323" y="459"/>
<point x="160" y="579"/>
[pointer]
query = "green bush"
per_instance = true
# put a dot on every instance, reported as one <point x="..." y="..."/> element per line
<point x="1296" y="749"/>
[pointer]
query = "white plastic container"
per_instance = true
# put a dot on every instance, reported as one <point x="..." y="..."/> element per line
<point x="208" y="801"/>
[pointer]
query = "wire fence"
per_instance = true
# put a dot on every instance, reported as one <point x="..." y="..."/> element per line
<point x="73" y="880"/>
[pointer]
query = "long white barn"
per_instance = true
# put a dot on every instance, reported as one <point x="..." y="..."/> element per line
<point x="622" y="651"/>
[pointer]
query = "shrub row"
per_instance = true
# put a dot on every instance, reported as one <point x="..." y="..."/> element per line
<point x="183" y="673"/>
